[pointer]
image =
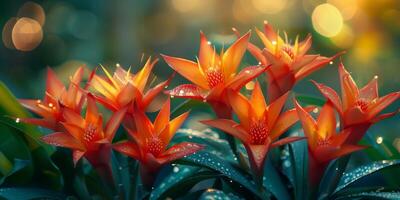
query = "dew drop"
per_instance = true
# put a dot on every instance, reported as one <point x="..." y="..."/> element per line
<point x="331" y="62"/>
<point x="379" y="140"/>
<point x="17" y="120"/>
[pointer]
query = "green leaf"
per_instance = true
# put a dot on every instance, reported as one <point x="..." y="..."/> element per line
<point x="217" y="194"/>
<point x="187" y="105"/>
<point x="11" y="108"/>
<point x="30" y="193"/>
<point x="361" y="172"/>
<point x="373" y="195"/>
<point x="16" y="166"/>
<point x="212" y="161"/>
<point x="182" y="178"/>
<point x="309" y="100"/>
<point x="273" y="182"/>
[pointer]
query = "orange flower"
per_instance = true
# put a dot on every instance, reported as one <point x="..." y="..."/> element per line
<point x="123" y="87"/>
<point x="150" y="141"/>
<point x="213" y="74"/>
<point x="260" y="126"/>
<point x="56" y="98"/>
<point x="85" y="136"/>
<point x="289" y="62"/>
<point x="324" y="143"/>
<point x="359" y="108"/>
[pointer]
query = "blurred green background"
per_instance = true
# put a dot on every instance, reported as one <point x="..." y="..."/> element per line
<point x="67" y="34"/>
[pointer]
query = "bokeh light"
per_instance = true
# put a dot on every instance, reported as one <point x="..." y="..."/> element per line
<point x="7" y="32"/>
<point x="26" y="34"/>
<point x="345" y="38"/>
<point x="327" y="20"/>
<point x="34" y="11"/>
<point x="269" y="6"/>
<point x="348" y="8"/>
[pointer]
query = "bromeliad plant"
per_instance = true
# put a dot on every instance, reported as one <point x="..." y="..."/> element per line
<point x="139" y="155"/>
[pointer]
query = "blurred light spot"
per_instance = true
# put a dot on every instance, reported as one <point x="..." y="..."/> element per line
<point x="250" y="85"/>
<point x="347" y="8"/>
<point x="243" y="11"/>
<point x="367" y="45"/>
<point x="165" y="21"/>
<point x="345" y="38"/>
<point x="327" y="20"/>
<point x="33" y="11"/>
<point x="379" y="140"/>
<point x="269" y="6"/>
<point x="82" y="24"/>
<point x="26" y="34"/>
<point x="7" y="33"/>
<point x="186" y="5"/>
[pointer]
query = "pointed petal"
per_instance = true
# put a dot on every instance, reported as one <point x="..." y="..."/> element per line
<point x="50" y="124"/>
<point x="303" y="61"/>
<point x="72" y="117"/>
<point x="266" y="41"/>
<point x="92" y="113"/>
<point x="76" y="156"/>
<point x="128" y="148"/>
<point x="381" y="103"/>
<point x="127" y="95"/>
<point x="233" y="56"/>
<point x="77" y="77"/>
<point x="245" y="75"/>
<point x="114" y="123"/>
<point x="207" y="55"/>
<point x="186" y="91"/>
<point x="229" y="127"/>
<point x="144" y="127"/>
<point x="153" y="92"/>
<point x="305" y="45"/>
<point x="285" y="121"/>
<point x="331" y="95"/>
<point x="286" y="140"/>
<point x="257" y="155"/>
<point x="240" y="106"/>
<point x="53" y="85"/>
<point x="370" y="91"/>
<point x="309" y="125"/>
<point x="140" y="79"/>
<point x="103" y="87"/>
<point x="384" y="116"/>
<point x="74" y="130"/>
<point x="328" y="153"/>
<point x="253" y="49"/>
<point x="354" y="115"/>
<point x="63" y="140"/>
<point x="269" y="31"/>
<point x="275" y="109"/>
<point x="178" y="151"/>
<point x="173" y="127"/>
<point x="339" y="139"/>
<point x="315" y="65"/>
<point x="162" y="118"/>
<point x="188" y="69"/>
<point x="326" y="121"/>
<point x="349" y="88"/>
<point x="36" y="107"/>
<point x="258" y="101"/>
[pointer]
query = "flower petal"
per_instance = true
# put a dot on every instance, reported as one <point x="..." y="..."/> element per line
<point x="188" y="69"/>
<point x="286" y="140"/>
<point x="309" y="125"/>
<point x="53" y="85"/>
<point x="74" y="130"/>
<point x="63" y="140"/>
<point x="207" y="55"/>
<point x="234" y="54"/>
<point x="258" y="101"/>
<point x="76" y="156"/>
<point x="384" y="116"/>
<point x="275" y="109"/>
<point x="229" y="127"/>
<point x="326" y="121"/>
<point x="128" y="148"/>
<point x="36" y="107"/>
<point x="186" y="91"/>
<point x="315" y="65"/>
<point x="114" y="123"/>
<point x="140" y="79"/>
<point x="349" y="88"/>
<point x="127" y="95"/>
<point x="285" y="121"/>
<point x="240" y="106"/>
<point x="381" y="103"/>
<point x="92" y="114"/>
<point x="46" y="123"/>
<point x="162" y="118"/>
<point x="144" y="127"/>
<point x="72" y="117"/>
<point x="173" y="127"/>
<point x="331" y="95"/>
<point x="245" y="76"/>
<point x="370" y="91"/>
<point x="257" y="155"/>
<point x="178" y="151"/>
<point x="153" y="92"/>
<point x="329" y="153"/>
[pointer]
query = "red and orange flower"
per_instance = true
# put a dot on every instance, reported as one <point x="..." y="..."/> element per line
<point x="358" y="108"/>
<point x="260" y="125"/>
<point x="56" y="98"/>
<point x="289" y="63"/>
<point x="151" y="140"/>
<point x="212" y="75"/>
<point x="123" y="87"/>
<point x="324" y="143"/>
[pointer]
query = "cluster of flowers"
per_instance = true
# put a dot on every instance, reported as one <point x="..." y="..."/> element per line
<point x="216" y="81"/>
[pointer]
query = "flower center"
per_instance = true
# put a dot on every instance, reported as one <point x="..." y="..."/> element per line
<point x="155" y="146"/>
<point x="90" y="132"/>
<point x="362" y="104"/>
<point x="288" y="50"/>
<point x="323" y="141"/>
<point x="258" y="132"/>
<point x="214" y="77"/>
